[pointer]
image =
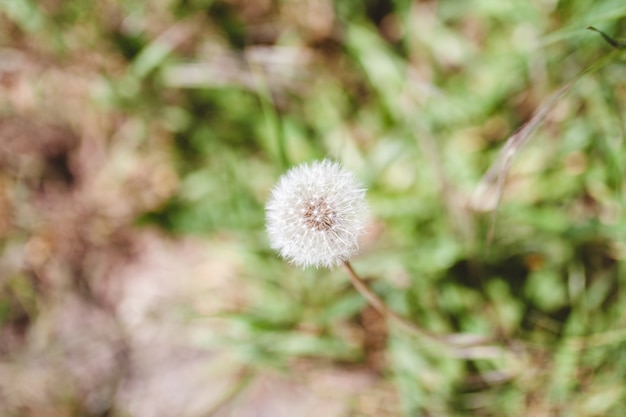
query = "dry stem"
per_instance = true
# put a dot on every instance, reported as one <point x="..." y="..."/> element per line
<point x="460" y="345"/>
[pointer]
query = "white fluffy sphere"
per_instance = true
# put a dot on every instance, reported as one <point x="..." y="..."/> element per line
<point x="316" y="214"/>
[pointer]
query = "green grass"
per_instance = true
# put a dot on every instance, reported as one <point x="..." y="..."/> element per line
<point x="408" y="108"/>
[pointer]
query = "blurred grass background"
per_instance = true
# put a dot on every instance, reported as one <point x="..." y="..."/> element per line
<point x="140" y="141"/>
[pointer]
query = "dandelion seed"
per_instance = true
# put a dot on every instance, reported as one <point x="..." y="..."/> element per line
<point x="316" y="214"/>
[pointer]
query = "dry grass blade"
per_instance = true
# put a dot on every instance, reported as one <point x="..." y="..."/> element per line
<point x="515" y="143"/>
<point x="488" y="193"/>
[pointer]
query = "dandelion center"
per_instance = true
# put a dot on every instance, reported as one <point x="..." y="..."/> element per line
<point x="318" y="215"/>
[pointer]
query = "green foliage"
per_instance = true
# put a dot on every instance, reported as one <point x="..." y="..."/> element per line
<point x="417" y="98"/>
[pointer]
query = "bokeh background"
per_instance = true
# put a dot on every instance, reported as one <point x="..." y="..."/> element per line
<point x="139" y="141"/>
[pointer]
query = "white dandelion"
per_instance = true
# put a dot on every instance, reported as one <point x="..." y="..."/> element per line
<point x="316" y="214"/>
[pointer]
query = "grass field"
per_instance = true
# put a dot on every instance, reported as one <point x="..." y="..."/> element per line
<point x="139" y="142"/>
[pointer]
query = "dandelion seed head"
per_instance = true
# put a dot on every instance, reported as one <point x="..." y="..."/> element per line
<point x="316" y="214"/>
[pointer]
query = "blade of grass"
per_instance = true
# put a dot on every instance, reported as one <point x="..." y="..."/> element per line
<point x="270" y="114"/>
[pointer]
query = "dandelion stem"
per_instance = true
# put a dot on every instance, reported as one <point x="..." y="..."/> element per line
<point x="459" y="345"/>
<point x="379" y="305"/>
